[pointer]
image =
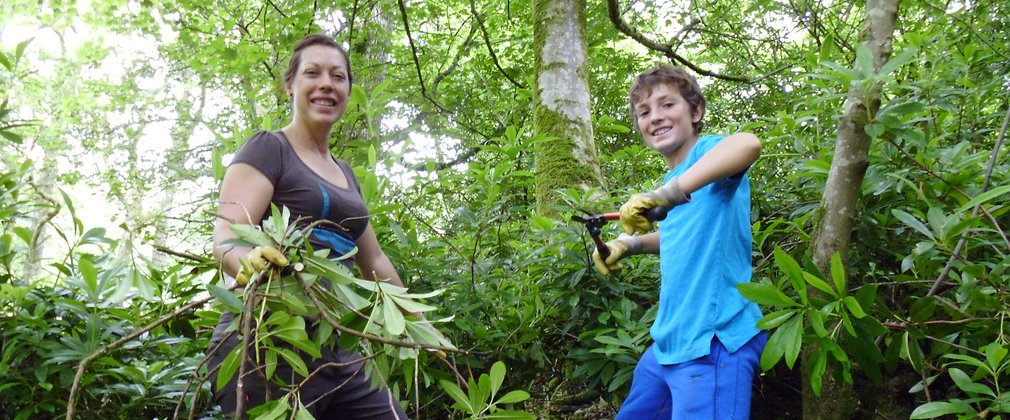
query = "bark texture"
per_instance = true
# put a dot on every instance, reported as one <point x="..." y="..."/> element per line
<point x="567" y="158"/>
<point x="841" y="198"/>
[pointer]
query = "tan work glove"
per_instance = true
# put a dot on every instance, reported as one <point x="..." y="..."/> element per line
<point x="624" y="246"/>
<point x="633" y="212"/>
<point x="258" y="259"/>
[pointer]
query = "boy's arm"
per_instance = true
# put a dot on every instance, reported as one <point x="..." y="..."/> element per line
<point x="731" y="156"/>
<point x="650" y="243"/>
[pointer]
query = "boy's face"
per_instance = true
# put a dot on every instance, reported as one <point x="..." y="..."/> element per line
<point x="664" y="119"/>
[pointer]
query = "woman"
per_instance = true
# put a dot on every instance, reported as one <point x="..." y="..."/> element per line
<point x="293" y="167"/>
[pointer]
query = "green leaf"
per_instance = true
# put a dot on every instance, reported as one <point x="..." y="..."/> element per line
<point x="12" y="136"/>
<point x="24" y="234"/>
<point x="766" y="295"/>
<point x="791" y="268"/>
<point x="773" y="351"/>
<point x="278" y="410"/>
<point x="497" y="377"/>
<point x="514" y="397"/>
<point x="963" y="381"/>
<point x="827" y="48"/>
<point x="457" y="395"/>
<point x="411" y="305"/>
<point x="910" y="351"/>
<point x="229" y="366"/>
<point x="775" y="319"/>
<point x="994" y="355"/>
<point x="817" y="322"/>
<point x="293" y="359"/>
<point x="270" y="363"/>
<point x="864" y="61"/>
<point x="906" y="56"/>
<point x="793" y="340"/>
<point x="817" y="373"/>
<point x="480" y="394"/>
<point x="392" y="318"/>
<point x="820" y="284"/>
<point x="838" y="273"/>
<point x="854" y="308"/>
<point x="936" y="409"/>
<point x="226" y="298"/>
<point x="88" y="272"/>
<point x="293" y="331"/>
<point x="251" y="234"/>
<point x="913" y="222"/>
<point x="1000" y="192"/>
<point x="19" y="51"/>
<point x="874" y="130"/>
<point x="968" y="360"/>
<point x="217" y="165"/>
<point x="922" y="309"/>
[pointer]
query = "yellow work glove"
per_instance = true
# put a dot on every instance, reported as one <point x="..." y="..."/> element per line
<point x="668" y="196"/>
<point x="624" y="246"/>
<point x="258" y="259"/>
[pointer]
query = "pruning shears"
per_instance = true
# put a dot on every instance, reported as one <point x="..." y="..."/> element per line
<point x="594" y="224"/>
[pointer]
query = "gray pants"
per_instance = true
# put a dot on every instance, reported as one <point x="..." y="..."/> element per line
<point x="338" y="391"/>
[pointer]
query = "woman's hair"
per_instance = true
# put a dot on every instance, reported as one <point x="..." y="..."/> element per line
<point x="661" y="74"/>
<point x="308" y="41"/>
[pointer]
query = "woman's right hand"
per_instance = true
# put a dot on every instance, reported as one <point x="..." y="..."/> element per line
<point x="257" y="260"/>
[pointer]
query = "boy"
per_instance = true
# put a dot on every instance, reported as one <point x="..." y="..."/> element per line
<point x="706" y="343"/>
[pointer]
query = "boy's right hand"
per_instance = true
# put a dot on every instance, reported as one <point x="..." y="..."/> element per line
<point x="633" y="212"/>
<point x="257" y="259"/>
<point x="623" y="246"/>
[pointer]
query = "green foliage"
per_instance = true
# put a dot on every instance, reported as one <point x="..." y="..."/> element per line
<point x="826" y="312"/>
<point x="480" y="402"/>
<point x="612" y="352"/>
<point x="48" y="328"/>
<point x="982" y="399"/>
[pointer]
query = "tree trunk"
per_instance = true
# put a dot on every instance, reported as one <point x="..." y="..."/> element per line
<point x="45" y="181"/>
<point x="842" y="192"/>
<point x="370" y="50"/>
<point x="567" y="155"/>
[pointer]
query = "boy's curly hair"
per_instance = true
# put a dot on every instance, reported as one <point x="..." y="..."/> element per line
<point x="673" y="76"/>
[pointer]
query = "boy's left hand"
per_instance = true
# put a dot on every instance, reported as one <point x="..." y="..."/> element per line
<point x="633" y="218"/>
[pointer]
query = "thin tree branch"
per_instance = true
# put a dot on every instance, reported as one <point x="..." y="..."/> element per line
<point x="963" y="193"/>
<point x="974" y="211"/>
<point x="970" y="28"/>
<point x="196" y="258"/>
<point x="621" y="25"/>
<point x="490" y="49"/>
<point x="420" y="76"/>
<point x="455" y="60"/>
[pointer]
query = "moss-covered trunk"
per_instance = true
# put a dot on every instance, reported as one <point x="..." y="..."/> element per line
<point x="841" y="195"/>
<point x="567" y="158"/>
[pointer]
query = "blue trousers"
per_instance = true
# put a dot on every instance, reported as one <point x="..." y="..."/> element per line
<point x="716" y="386"/>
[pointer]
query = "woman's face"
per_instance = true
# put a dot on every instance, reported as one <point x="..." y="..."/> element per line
<point x="320" y="87"/>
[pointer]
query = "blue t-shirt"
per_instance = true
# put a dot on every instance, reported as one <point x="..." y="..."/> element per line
<point x="705" y="251"/>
